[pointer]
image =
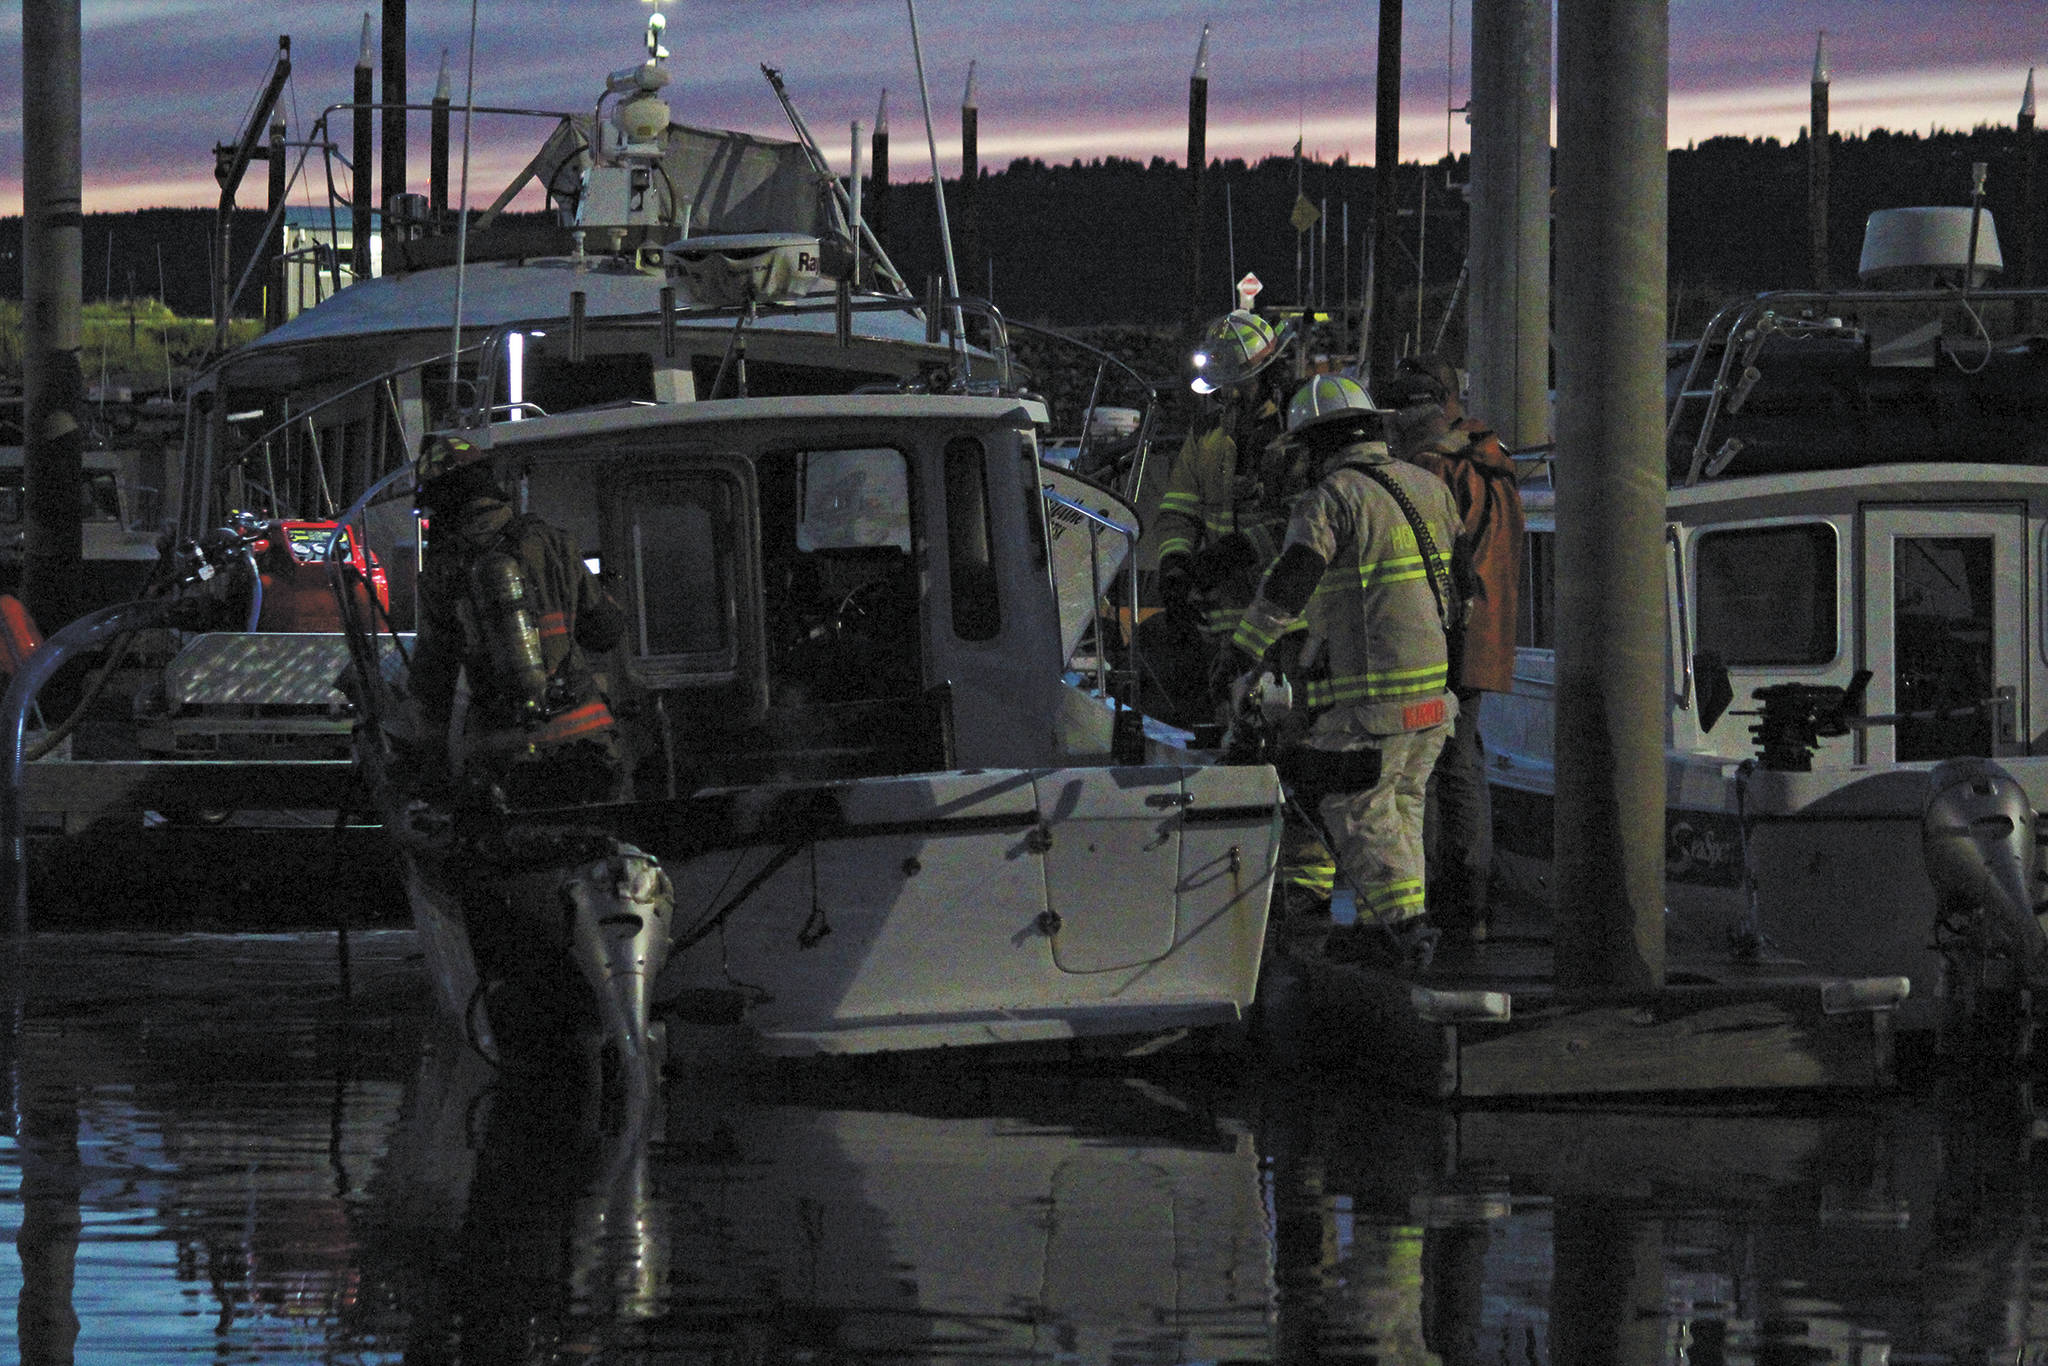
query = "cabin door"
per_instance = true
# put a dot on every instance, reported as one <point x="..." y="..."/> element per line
<point x="1944" y="629"/>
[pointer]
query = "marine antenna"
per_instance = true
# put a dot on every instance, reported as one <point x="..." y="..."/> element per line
<point x="939" y="190"/>
<point x="462" y="209"/>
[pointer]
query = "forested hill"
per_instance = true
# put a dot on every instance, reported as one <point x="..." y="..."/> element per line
<point x="1104" y="241"/>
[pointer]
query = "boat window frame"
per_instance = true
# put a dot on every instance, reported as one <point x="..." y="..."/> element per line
<point x="626" y="485"/>
<point x="1536" y="597"/>
<point x="1679" y="678"/>
<point x="1698" y="540"/>
<point x="973" y="582"/>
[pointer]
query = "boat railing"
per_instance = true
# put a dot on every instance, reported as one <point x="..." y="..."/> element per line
<point x="1134" y="476"/>
<point x="383" y="381"/>
<point x="483" y="404"/>
<point x="1739" y="330"/>
<point x="1097" y="523"/>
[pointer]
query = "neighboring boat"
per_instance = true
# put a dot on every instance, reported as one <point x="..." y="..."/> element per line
<point x="1858" y="556"/>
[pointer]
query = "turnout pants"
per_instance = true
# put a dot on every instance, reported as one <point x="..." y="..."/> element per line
<point x="1377" y="832"/>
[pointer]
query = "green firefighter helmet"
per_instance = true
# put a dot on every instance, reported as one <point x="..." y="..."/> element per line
<point x="452" y="471"/>
<point x="1233" y="348"/>
<point x="1327" y="400"/>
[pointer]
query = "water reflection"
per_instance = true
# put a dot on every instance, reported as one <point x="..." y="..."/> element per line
<point x="206" y="1154"/>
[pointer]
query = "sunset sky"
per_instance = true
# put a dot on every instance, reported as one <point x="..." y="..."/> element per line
<point x="165" y="80"/>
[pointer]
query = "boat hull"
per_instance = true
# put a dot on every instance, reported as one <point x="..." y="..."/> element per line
<point x="969" y="909"/>
<point x="1841" y="883"/>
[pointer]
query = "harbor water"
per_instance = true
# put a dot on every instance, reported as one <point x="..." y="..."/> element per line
<point x="211" y="1155"/>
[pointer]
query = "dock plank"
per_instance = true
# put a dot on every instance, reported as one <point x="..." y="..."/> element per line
<point x="1714" y="1041"/>
<point x="1774" y="1033"/>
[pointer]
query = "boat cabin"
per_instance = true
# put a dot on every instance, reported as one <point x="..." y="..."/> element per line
<point x="819" y="588"/>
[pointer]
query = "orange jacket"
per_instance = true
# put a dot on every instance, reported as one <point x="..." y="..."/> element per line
<point x="1469" y="458"/>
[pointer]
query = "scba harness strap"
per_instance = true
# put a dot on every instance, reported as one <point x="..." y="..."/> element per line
<point x="1450" y="607"/>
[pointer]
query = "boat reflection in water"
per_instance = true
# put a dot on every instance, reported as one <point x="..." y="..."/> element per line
<point x="202" y="1157"/>
<point x="1011" y="1219"/>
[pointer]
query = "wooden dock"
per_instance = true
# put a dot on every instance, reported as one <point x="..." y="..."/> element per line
<point x="255" y="845"/>
<point x="1487" y="1023"/>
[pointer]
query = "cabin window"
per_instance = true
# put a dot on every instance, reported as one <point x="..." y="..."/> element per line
<point x="970" y="542"/>
<point x="679" y="536"/>
<point x="840" y="579"/>
<point x="853" y="500"/>
<point x="556" y="384"/>
<point x="1536" y="628"/>
<point x="1944" y="644"/>
<point x="782" y="379"/>
<point x="1766" y="595"/>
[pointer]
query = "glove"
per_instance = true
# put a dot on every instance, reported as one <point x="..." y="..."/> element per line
<point x="1176" y="588"/>
<point x="1230" y="675"/>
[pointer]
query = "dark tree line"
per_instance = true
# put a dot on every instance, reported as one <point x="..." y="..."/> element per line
<point x="1105" y="242"/>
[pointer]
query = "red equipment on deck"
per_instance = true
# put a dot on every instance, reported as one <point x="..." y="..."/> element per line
<point x="298" y="593"/>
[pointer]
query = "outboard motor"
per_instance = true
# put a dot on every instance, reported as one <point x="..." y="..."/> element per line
<point x="619" y="935"/>
<point x="1977" y="836"/>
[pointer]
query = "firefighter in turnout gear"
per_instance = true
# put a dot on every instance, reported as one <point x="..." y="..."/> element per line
<point x="1225" y="502"/>
<point x="506" y="602"/>
<point x="1218" y="530"/>
<point x="1372" y="558"/>
<point x="1433" y="432"/>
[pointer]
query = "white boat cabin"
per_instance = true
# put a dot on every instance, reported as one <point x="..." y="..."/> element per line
<point x="829" y="587"/>
<point x="1862" y="538"/>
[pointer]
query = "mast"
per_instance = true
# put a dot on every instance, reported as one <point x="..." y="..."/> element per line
<point x="1198" y="156"/>
<point x="2030" y="209"/>
<point x="394" y="123"/>
<point x="437" y="147"/>
<point x="1386" y="162"/>
<point x="970" y="177"/>
<point x="359" y="169"/>
<point x="878" y="153"/>
<point x="53" y="307"/>
<point x="1817" y="164"/>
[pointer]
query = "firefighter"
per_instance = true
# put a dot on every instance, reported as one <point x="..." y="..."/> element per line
<point x="1433" y="432"/>
<point x="1374" y="545"/>
<point x="1225" y="501"/>
<point x="506" y="601"/>
<point x="1218" y="530"/>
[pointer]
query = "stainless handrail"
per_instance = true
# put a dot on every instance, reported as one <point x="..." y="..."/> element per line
<point x="1130" y="535"/>
<point x="1790" y="306"/>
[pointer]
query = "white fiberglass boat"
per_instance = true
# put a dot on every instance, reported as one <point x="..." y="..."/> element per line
<point x="1857" y="529"/>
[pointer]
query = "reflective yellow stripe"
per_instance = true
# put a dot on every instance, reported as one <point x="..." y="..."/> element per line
<point x="1252" y="640"/>
<point x="1394" y="569"/>
<point x="1248" y="638"/>
<point x="1320" y="878"/>
<point x="1398" y="895"/>
<point x="1382" y="686"/>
